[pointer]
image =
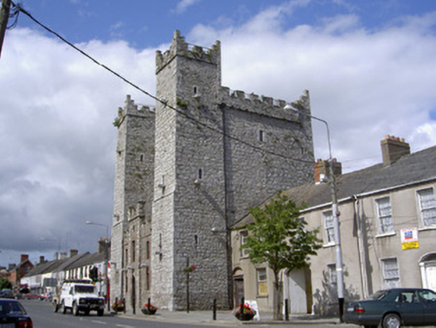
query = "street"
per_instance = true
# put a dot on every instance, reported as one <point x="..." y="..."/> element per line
<point x="43" y="317"/>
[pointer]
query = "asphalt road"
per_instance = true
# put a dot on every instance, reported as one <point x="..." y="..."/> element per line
<point x="43" y="316"/>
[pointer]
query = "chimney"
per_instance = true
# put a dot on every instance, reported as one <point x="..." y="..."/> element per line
<point x="73" y="252"/>
<point x="41" y="259"/>
<point x="24" y="257"/>
<point x="103" y="244"/>
<point x="322" y="170"/>
<point x="393" y="149"/>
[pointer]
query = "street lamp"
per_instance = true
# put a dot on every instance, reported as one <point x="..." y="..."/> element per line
<point x="335" y="213"/>
<point x="106" y="258"/>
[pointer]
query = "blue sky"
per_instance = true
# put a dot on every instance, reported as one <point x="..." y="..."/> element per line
<point x="370" y="68"/>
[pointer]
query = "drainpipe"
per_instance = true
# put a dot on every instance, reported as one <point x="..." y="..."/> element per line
<point x="361" y="248"/>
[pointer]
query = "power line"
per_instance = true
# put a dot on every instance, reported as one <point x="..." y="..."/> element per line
<point x="165" y="103"/>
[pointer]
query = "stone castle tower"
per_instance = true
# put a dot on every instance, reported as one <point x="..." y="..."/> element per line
<point x="186" y="171"/>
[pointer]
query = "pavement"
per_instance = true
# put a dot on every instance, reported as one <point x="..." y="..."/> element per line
<point x="224" y="318"/>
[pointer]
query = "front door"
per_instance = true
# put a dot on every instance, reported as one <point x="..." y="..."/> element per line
<point x="238" y="283"/>
<point x="297" y="292"/>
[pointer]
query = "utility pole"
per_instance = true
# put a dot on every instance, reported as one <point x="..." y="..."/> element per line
<point x="4" y="17"/>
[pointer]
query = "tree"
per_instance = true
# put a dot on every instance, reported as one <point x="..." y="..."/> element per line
<point x="5" y="283"/>
<point x="279" y="237"/>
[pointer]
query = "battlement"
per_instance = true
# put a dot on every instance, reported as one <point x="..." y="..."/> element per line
<point x="181" y="48"/>
<point x="266" y="105"/>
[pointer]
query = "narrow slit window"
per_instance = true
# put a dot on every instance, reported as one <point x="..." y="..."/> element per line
<point x="261" y="136"/>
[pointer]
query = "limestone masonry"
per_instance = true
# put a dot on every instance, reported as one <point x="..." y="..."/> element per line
<point x="187" y="170"/>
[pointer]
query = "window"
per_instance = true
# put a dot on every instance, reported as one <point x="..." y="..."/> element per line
<point x="147" y="278"/>
<point x="332" y="282"/>
<point x="390" y="273"/>
<point x="384" y="215"/>
<point x="244" y="235"/>
<point x="427" y="206"/>
<point x="331" y="274"/>
<point x="133" y="251"/>
<point x="147" y="249"/>
<point x="261" y="282"/>
<point x="261" y="136"/>
<point x="329" y="228"/>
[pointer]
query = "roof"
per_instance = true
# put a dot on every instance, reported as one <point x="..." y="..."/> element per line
<point x="89" y="259"/>
<point x="410" y="169"/>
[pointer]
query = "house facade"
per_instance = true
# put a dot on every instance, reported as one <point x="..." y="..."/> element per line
<point x="188" y="169"/>
<point x="387" y="230"/>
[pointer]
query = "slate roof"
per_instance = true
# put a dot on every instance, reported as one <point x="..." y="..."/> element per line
<point x="410" y="169"/>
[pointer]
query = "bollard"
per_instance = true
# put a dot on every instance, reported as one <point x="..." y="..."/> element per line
<point x="286" y="310"/>
<point x="124" y="303"/>
<point x="214" y="309"/>
<point x="148" y="305"/>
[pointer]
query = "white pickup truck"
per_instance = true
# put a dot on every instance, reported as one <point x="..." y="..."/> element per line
<point x="80" y="296"/>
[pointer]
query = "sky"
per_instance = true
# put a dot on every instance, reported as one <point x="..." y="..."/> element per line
<point x="369" y="65"/>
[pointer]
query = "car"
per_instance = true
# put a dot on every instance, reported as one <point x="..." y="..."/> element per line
<point x="13" y="314"/>
<point x="393" y="308"/>
<point x="6" y="293"/>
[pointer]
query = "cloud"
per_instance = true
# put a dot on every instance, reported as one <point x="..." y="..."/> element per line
<point x="184" y="4"/>
<point x="58" y="141"/>
<point x="365" y="83"/>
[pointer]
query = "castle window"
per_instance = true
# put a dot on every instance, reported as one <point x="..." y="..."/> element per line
<point x="133" y="251"/>
<point x="200" y="174"/>
<point x="196" y="240"/>
<point x="147" y="250"/>
<point x="141" y="158"/>
<point x="261" y="136"/>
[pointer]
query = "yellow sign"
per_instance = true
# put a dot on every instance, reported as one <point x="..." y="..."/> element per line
<point x="409" y="238"/>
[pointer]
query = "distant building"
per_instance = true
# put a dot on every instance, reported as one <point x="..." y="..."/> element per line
<point x="20" y="270"/>
<point x="187" y="170"/>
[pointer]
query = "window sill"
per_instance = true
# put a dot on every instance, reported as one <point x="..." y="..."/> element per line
<point x="432" y="227"/>
<point x="262" y="296"/>
<point x="387" y="234"/>
<point x="328" y="245"/>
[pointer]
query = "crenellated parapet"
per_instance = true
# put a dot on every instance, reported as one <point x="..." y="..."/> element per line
<point x="266" y="106"/>
<point x="181" y="48"/>
<point x="130" y="108"/>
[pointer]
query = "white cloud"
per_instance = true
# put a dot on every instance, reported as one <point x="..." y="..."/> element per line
<point x="58" y="142"/>
<point x="184" y="4"/>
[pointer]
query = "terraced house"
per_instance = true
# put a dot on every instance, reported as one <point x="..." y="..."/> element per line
<point x="387" y="226"/>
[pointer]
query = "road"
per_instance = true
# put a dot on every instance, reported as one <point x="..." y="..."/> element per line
<point x="43" y="317"/>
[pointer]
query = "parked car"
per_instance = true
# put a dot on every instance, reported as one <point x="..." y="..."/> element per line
<point x="393" y="308"/>
<point x="6" y="293"/>
<point x="12" y="313"/>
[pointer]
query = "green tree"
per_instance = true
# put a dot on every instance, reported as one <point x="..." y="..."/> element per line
<point x="279" y="237"/>
<point x="5" y="283"/>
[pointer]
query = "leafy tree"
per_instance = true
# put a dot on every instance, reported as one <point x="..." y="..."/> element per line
<point x="5" y="283"/>
<point x="279" y="237"/>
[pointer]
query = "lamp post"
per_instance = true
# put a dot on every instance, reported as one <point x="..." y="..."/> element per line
<point x="106" y="258"/>
<point x="335" y="214"/>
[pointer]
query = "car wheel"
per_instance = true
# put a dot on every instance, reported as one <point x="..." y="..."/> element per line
<point x="75" y="309"/>
<point x="100" y="312"/>
<point x="64" y="309"/>
<point x="391" y="321"/>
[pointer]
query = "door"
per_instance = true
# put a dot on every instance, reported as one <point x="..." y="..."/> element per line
<point x="238" y="283"/>
<point x="297" y="291"/>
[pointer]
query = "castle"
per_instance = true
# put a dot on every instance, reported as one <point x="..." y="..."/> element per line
<point x="188" y="169"/>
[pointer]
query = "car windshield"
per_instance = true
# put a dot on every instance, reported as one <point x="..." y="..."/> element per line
<point x="378" y="295"/>
<point x="11" y="307"/>
<point x="84" y="289"/>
